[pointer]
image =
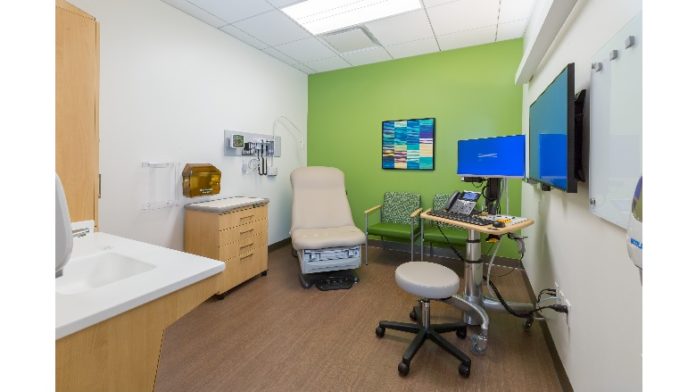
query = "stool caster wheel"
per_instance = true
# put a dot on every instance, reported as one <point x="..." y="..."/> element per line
<point x="464" y="370"/>
<point x="479" y="344"/>
<point x="403" y="369"/>
<point x="413" y="315"/>
<point x="461" y="333"/>
<point x="380" y="332"/>
<point x="528" y="324"/>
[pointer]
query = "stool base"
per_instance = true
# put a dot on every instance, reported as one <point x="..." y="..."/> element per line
<point x="424" y="330"/>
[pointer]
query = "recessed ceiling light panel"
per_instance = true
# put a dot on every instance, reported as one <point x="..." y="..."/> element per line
<point x="321" y="16"/>
<point x="348" y="40"/>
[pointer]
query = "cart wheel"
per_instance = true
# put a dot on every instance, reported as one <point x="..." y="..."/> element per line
<point x="464" y="370"/>
<point x="403" y="369"/>
<point x="461" y="333"/>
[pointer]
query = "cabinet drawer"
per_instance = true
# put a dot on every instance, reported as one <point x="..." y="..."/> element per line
<point x="242" y="217"/>
<point x="243" y="233"/>
<point x="254" y="262"/>
<point x="232" y="251"/>
<point x="248" y="262"/>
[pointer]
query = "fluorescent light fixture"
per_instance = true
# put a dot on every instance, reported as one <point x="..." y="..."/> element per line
<point x="320" y="16"/>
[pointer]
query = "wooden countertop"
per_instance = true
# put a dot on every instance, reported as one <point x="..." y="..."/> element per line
<point x="483" y="229"/>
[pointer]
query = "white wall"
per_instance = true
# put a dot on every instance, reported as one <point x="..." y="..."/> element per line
<point x="170" y="84"/>
<point x="600" y="346"/>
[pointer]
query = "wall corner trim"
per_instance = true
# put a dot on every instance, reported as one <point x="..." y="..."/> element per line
<point x="555" y="17"/>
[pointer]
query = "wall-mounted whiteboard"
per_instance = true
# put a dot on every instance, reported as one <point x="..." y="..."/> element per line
<point x="616" y="124"/>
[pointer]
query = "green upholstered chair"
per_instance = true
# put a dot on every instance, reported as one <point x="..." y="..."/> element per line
<point x="432" y="234"/>
<point x="399" y="217"/>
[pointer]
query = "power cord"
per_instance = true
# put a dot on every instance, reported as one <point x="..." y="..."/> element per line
<point x="525" y="315"/>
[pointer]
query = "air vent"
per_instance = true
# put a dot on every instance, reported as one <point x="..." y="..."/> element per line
<point x="351" y="39"/>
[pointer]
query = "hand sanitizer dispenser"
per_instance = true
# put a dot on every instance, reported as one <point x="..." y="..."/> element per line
<point x="64" y="239"/>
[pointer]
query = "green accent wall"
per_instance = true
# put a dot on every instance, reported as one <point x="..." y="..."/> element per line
<point x="470" y="92"/>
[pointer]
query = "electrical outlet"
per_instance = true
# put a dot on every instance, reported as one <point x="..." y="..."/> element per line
<point x="563" y="300"/>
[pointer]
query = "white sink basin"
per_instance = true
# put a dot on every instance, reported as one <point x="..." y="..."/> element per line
<point x="97" y="270"/>
<point x="108" y="275"/>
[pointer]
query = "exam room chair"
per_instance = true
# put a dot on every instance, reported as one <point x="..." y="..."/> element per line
<point x="322" y="220"/>
<point x="431" y="233"/>
<point x="399" y="218"/>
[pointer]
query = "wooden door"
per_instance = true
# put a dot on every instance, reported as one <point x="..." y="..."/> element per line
<point x="77" y="109"/>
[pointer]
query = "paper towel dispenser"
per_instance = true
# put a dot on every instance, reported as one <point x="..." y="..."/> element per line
<point x="201" y="179"/>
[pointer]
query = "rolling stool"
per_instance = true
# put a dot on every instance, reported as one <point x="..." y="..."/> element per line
<point x="427" y="281"/>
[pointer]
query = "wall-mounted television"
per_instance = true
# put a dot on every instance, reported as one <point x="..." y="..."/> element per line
<point x="491" y="157"/>
<point x="552" y="134"/>
<point x="408" y="144"/>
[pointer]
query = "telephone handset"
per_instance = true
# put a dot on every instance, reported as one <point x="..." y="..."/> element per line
<point x="462" y="203"/>
<point x="452" y="199"/>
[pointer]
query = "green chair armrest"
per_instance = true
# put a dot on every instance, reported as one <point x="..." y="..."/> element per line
<point x="373" y="209"/>
<point x="416" y="213"/>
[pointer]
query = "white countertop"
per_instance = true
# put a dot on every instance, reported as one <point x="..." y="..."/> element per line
<point x="167" y="270"/>
<point x="227" y="204"/>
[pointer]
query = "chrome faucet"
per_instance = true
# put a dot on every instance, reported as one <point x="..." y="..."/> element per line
<point x="79" y="233"/>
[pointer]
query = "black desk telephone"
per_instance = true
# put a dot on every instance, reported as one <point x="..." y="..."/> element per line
<point x="462" y="203"/>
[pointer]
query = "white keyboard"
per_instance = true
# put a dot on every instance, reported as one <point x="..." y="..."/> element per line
<point x="509" y="220"/>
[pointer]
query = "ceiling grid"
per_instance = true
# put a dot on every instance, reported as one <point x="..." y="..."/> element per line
<point x="437" y="25"/>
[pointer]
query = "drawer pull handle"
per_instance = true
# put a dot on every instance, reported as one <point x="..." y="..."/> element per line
<point x="247" y="256"/>
<point x="246" y="246"/>
<point x="246" y="231"/>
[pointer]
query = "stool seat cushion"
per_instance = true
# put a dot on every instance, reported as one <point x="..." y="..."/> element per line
<point x="427" y="280"/>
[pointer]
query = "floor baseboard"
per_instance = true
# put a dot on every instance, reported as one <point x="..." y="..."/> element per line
<point x="438" y="251"/>
<point x="279" y="244"/>
<point x="557" y="364"/>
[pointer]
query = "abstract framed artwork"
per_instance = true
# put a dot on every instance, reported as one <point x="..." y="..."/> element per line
<point x="408" y="144"/>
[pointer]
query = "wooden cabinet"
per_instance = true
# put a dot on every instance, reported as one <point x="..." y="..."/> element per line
<point x="122" y="353"/>
<point x="77" y="109"/>
<point x="237" y="237"/>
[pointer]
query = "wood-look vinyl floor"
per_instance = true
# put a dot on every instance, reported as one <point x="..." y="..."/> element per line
<point x="270" y="334"/>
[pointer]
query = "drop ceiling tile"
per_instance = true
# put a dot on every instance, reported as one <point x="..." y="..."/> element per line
<point x="273" y="28"/>
<point x="432" y="3"/>
<point x="283" y="3"/>
<point x="304" y="68"/>
<point x="280" y="56"/>
<point x="511" y="30"/>
<point x="196" y="12"/>
<point x="306" y="50"/>
<point x="329" y="64"/>
<point x="466" y="38"/>
<point x="406" y="27"/>
<point x="413" y="48"/>
<point x="511" y="10"/>
<point x="234" y="10"/>
<point x="367" y="56"/>
<point x="463" y="15"/>
<point x="244" y="37"/>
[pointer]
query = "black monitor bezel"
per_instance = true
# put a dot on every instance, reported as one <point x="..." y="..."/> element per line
<point x="572" y="183"/>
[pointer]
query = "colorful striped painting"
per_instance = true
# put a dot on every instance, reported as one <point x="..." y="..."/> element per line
<point x="408" y="144"/>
